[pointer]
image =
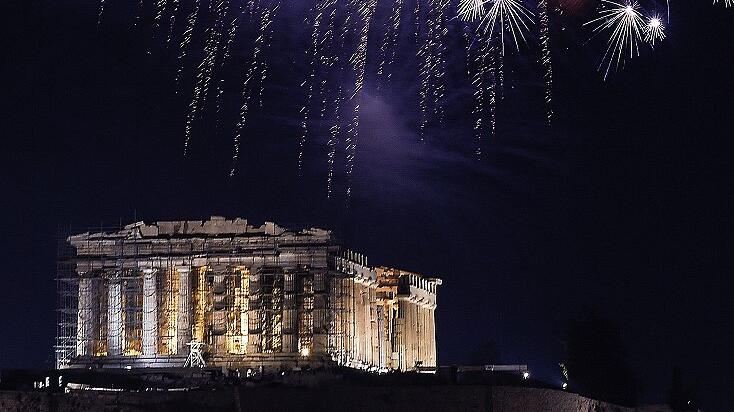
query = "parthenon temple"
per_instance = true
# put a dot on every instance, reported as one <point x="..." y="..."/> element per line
<point x="140" y="296"/>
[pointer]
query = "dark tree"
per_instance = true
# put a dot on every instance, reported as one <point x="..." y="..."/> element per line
<point x="485" y="353"/>
<point x="596" y="361"/>
<point x="683" y="397"/>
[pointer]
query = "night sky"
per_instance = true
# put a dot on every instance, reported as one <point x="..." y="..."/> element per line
<point x="623" y="207"/>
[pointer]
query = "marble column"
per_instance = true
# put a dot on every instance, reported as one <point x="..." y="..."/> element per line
<point x="87" y="315"/>
<point x="115" y="325"/>
<point x="184" y="310"/>
<point x="150" y="313"/>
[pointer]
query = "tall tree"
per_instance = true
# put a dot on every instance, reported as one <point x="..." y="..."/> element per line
<point x="596" y="361"/>
<point x="683" y="397"/>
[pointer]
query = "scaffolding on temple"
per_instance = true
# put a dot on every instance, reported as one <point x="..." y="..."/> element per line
<point x="141" y="295"/>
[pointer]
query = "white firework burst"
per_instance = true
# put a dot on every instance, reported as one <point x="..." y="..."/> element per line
<point x="626" y="26"/>
<point x="508" y="17"/>
<point x="654" y="30"/>
<point x="471" y="10"/>
<point x="727" y="3"/>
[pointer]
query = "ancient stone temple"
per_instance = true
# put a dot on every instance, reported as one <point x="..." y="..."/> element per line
<point x="250" y="297"/>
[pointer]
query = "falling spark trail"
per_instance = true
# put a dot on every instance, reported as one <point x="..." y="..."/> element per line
<point x="417" y="20"/>
<point x="500" y="64"/>
<point x="424" y="73"/>
<point x="327" y="59"/>
<point x="482" y="67"/>
<point x="335" y="129"/>
<point x="100" y="13"/>
<point x="186" y="41"/>
<point x="365" y="10"/>
<point x="266" y="20"/>
<point x="439" y="62"/>
<point x="727" y="3"/>
<point x="545" y="57"/>
<point x="627" y="27"/>
<point x="314" y="59"/>
<point x="204" y="74"/>
<point x="138" y="14"/>
<point x="492" y="69"/>
<point x="252" y="6"/>
<point x="160" y="9"/>
<point x="172" y="21"/>
<point x="266" y="45"/>
<point x="231" y="35"/>
<point x="332" y="143"/>
<point x="216" y="34"/>
<point x="474" y="74"/>
<point x="432" y="64"/>
<point x="388" y="48"/>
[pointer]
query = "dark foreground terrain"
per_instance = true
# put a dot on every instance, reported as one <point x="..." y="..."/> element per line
<point x="338" y="398"/>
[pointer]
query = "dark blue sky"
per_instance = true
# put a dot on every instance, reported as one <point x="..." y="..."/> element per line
<point x="624" y="206"/>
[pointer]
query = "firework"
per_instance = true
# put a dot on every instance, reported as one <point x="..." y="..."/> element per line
<point x="327" y="61"/>
<point x="139" y="13"/>
<point x="264" y="30"/>
<point x="336" y="128"/>
<point x="365" y="10"/>
<point x="100" y="13"/>
<point x="505" y="16"/>
<point x="626" y="27"/>
<point x="231" y="35"/>
<point x="545" y="57"/>
<point x="432" y="62"/>
<point x="654" y="30"/>
<point x="424" y="70"/>
<point x="206" y="69"/>
<point x="333" y="142"/>
<point x="186" y="41"/>
<point x="267" y="39"/>
<point x="314" y="59"/>
<point x="439" y="60"/>
<point x="471" y="10"/>
<point x="160" y="9"/>
<point x="388" y="49"/>
<point x="172" y="21"/>
<point x="727" y="3"/>
<point x="482" y="66"/>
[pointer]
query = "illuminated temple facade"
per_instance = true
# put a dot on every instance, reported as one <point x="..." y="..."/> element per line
<point x="255" y="297"/>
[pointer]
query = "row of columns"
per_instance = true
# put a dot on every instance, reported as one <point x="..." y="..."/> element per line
<point x="88" y="313"/>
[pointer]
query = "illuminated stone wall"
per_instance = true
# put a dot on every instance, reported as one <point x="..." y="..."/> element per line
<point x="255" y="296"/>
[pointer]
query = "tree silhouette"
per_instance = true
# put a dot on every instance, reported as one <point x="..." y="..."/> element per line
<point x="486" y="353"/>
<point x="596" y="361"/>
<point x="683" y="397"/>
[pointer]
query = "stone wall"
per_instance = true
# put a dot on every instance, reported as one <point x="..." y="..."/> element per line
<point x="329" y="398"/>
